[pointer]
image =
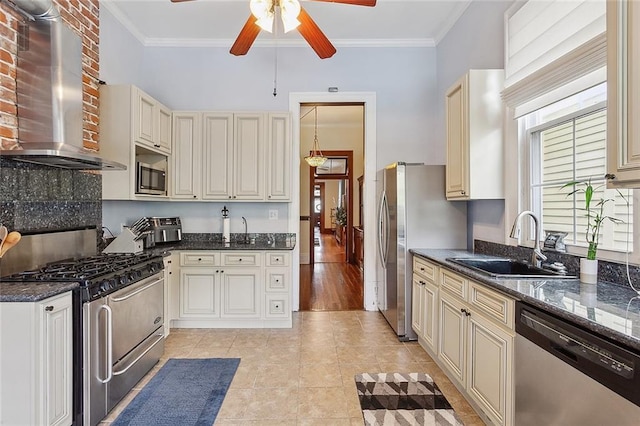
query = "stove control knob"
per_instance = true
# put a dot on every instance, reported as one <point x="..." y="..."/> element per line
<point x="105" y="286"/>
<point x="122" y="279"/>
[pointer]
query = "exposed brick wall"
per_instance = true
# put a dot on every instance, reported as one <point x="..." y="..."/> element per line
<point x="83" y="17"/>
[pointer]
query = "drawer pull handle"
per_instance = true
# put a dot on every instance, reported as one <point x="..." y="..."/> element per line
<point x="48" y="308"/>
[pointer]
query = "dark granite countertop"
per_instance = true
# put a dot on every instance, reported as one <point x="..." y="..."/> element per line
<point x="609" y="309"/>
<point x="33" y="291"/>
<point x="217" y="245"/>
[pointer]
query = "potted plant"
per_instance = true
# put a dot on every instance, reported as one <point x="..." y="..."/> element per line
<point x="341" y="216"/>
<point x="594" y="212"/>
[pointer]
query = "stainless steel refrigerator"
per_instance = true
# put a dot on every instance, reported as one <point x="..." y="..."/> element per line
<point x="413" y="213"/>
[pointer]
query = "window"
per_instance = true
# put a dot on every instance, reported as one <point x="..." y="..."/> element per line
<point x="566" y="142"/>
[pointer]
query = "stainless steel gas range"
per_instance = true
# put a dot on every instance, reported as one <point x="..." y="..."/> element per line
<point x="118" y="324"/>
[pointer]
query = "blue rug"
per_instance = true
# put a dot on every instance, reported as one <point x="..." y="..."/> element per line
<point x="184" y="392"/>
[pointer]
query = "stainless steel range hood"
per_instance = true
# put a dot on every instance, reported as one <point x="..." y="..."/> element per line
<point x="49" y="92"/>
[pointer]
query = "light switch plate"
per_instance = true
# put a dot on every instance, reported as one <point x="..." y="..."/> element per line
<point x="273" y="214"/>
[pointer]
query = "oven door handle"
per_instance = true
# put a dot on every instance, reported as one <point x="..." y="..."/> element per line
<point x="107" y="309"/>
<point x="134" y="292"/>
<point x="159" y="338"/>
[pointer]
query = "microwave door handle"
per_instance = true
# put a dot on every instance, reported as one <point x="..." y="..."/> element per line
<point x="179" y="234"/>
<point x="164" y="235"/>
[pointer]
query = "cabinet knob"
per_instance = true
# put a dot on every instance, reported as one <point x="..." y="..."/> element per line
<point x="610" y="176"/>
<point x="217" y="271"/>
<point x="277" y="281"/>
<point x="462" y="192"/>
<point x="240" y="260"/>
<point x="48" y="308"/>
<point x="199" y="259"/>
<point x="229" y="196"/>
<point x="234" y="196"/>
<point x="422" y="269"/>
<point x="195" y="196"/>
<point x="222" y="271"/>
<point x="156" y="145"/>
<point x="269" y="196"/>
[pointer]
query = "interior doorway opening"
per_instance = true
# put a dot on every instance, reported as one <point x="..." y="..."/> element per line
<point x="330" y="279"/>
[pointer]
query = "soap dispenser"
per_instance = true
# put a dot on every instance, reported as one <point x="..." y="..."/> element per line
<point x="226" y="235"/>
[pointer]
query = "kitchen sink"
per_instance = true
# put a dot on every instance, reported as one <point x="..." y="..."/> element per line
<point x="507" y="268"/>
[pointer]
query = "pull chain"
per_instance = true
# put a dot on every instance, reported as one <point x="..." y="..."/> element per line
<point x="275" y="58"/>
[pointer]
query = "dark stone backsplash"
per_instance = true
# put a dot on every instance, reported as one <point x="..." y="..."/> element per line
<point x="607" y="271"/>
<point x="35" y="198"/>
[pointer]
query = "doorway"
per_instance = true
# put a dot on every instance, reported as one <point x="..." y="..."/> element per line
<point x="329" y="279"/>
<point x="298" y="211"/>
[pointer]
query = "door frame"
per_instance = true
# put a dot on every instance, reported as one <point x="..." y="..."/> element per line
<point x="370" y="167"/>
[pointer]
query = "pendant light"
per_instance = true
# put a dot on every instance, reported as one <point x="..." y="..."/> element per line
<point x="316" y="158"/>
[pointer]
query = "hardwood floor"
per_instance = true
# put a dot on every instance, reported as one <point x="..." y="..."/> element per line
<point x="331" y="284"/>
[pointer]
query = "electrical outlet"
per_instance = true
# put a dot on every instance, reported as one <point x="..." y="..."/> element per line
<point x="273" y="214"/>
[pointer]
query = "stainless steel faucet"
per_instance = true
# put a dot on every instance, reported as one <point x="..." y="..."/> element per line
<point x="537" y="256"/>
<point x="246" y="234"/>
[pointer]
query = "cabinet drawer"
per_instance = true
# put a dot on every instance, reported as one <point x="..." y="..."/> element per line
<point x="492" y="304"/>
<point x="278" y="259"/>
<point x="425" y="269"/>
<point x="199" y="259"/>
<point x="241" y="259"/>
<point x="277" y="279"/>
<point x="454" y="283"/>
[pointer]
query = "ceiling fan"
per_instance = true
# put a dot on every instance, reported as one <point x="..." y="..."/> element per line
<point x="293" y="17"/>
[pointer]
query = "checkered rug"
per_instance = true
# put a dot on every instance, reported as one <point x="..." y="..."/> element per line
<point x="403" y="399"/>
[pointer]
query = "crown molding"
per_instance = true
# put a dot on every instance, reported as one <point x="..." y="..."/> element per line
<point x="461" y="7"/>
<point x="122" y="18"/>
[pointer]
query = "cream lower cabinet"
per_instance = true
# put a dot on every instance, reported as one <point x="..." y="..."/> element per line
<point x="425" y="303"/>
<point x="232" y="289"/>
<point x="36" y="362"/>
<point x="476" y="343"/>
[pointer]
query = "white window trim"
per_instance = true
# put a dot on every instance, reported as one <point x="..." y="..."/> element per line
<point x="525" y="201"/>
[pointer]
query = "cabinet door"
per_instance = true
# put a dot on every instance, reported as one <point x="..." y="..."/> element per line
<point x="623" y="92"/>
<point x="279" y="158"/>
<point x="430" y="315"/>
<point x="248" y="157"/>
<point x="453" y="336"/>
<point x="490" y="368"/>
<point x="417" y="305"/>
<point x="457" y="141"/>
<point x="144" y="119"/>
<point x="57" y="360"/>
<point x="163" y="141"/>
<point x="186" y="155"/>
<point x="240" y="292"/>
<point x="199" y="293"/>
<point x="217" y="150"/>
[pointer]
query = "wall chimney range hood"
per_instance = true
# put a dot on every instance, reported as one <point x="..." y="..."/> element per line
<point x="49" y="93"/>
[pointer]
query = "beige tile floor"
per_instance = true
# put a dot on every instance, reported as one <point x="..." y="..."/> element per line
<point x="304" y="375"/>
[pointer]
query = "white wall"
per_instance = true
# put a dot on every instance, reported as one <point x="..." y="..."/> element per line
<point x="475" y="41"/>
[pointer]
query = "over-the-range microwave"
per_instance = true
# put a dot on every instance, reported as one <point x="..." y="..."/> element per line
<point x="150" y="180"/>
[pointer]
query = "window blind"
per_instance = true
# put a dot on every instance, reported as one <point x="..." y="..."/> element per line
<point x="550" y="44"/>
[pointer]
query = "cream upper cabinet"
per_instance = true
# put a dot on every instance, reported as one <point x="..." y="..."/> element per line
<point x="279" y="157"/>
<point x="150" y="120"/>
<point x="36" y="363"/>
<point x="224" y="156"/>
<point x="187" y="155"/>
<point x="134" y="127"/>
<point x="623" y="92"/>
<point x="473" y="110"/>
<point x="217" y="150"/>
<point x="248" y="156"/>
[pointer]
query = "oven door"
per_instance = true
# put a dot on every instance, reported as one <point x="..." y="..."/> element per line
<point x="138" y="337"/>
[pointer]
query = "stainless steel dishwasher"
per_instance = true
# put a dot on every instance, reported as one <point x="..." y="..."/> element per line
<point x="566" y="375"/>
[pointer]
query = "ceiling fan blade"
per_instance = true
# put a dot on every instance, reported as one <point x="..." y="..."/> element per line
<point x="246" y="37"/>
<point x="314" y="36"/>
<point x="369" y="3"/>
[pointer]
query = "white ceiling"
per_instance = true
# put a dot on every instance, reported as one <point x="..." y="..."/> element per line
<point x="394" y="23"/>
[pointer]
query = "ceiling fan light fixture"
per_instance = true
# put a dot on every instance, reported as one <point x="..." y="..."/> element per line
<point x="289" y="11"/>
<point x="263" y="11"/>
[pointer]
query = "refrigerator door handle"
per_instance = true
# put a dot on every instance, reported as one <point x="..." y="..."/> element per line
<point x="383" y="229"/>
